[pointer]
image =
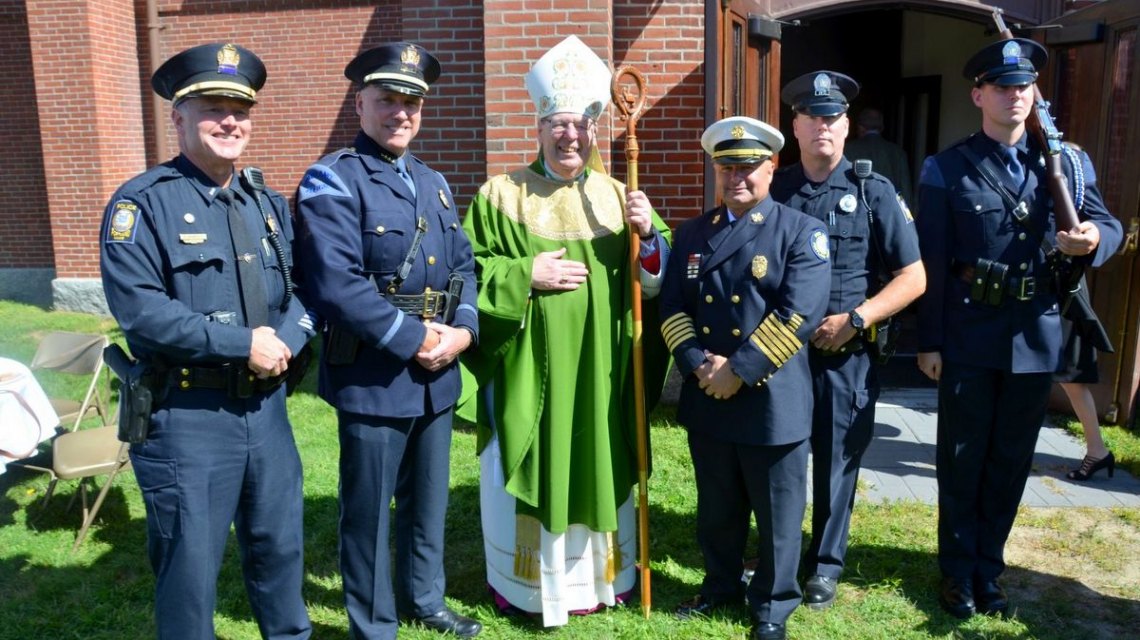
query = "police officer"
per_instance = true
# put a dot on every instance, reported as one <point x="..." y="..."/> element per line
<point x="871" y="236"/>
<point x="989" y="326"/>
<point x="195" y="263"/>
<point x="744" y="289"/>
<point x="385" y="262"/>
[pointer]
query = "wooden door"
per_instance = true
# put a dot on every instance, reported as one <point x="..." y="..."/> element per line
<point x="749" y="48"/>
<point x="1094" y="82"/>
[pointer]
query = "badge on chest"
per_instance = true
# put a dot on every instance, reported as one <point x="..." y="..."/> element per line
<point x="759" y="266"/>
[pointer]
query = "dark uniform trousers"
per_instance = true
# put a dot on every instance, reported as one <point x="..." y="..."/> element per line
<point x="988" y="422"/>
<point x="170" y="277"/>
<point x="380" y="458"/>
<point x="210" y="461"/>
<point x="845" y="386"/>
<point x="752" y="291"/>
<point x="359" y="221"/>
<point x="997" y="360"/>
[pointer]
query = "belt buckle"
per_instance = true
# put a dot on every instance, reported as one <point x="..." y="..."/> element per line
<point x="1027" y="289"/>
<point x="431" y="304"/>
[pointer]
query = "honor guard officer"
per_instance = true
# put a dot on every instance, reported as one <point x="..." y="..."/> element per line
<point x="872" y="241"/>
<point x="387" y="266"/>
<point x="989" y="327"/>
<point x="195" y="264"/>
<point x="745" y="286"/>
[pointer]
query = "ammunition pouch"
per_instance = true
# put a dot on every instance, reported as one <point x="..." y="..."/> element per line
<point x="991" y="283"/>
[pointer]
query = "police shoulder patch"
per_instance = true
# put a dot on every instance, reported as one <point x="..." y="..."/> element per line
<point x="320" y="180"/>
<point x="121" y="222"/>
<point x="819" y="245"/>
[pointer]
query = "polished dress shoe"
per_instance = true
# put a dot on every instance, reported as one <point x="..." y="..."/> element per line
<point x="768" y="631"/>
<point x="447" y="621"/>
<point x="1090" y="465"/>
<point x="819" y="592"/>
<point x="699" y="606"/>
<point x="990" y="598"/>
<point x="957" y="597"/>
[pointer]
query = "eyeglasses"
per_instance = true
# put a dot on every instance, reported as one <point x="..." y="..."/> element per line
<point x="559" y="127"/>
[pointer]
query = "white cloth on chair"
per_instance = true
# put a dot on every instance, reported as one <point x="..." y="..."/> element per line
<point x="26" y="414"/>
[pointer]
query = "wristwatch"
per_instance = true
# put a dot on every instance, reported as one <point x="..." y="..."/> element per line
<point x="855" y="319"/>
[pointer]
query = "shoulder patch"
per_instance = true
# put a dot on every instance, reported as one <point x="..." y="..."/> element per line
<point x="121" y="222"/>
<point x="905" y="209"/>
<point x="319" y="180"/>
<point x="931" y="175"/>
<point x="819" y="244"/>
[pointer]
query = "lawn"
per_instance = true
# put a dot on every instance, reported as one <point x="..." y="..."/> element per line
<point x="1075" y="573"/>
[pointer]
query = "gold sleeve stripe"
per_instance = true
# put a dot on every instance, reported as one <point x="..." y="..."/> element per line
<point x="677" y="329"/>
<point x="777" y="358"/>
<point x="787" y="335"/>
<point x="772" y="344"/>
<point x="795" y="321"/>
<point x="773" y="332"/>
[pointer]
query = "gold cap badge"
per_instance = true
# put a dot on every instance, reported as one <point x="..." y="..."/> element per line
<point x="410" y="57"/>
<point x="228" y="59"/>
<point x="738" y="132"/>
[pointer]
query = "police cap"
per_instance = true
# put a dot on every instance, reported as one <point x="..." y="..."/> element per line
<point x="1006" y="63"/>
<point x="225" y="70"/>
<point x="820" y="93"/>
<point x="402" y="67"/>
<point x="741" y="140"/>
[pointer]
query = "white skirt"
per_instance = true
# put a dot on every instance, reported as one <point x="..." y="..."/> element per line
<point x="572" y="565"/>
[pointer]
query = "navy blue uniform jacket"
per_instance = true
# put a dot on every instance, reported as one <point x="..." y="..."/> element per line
<point x="357" y="218"/>
<point x="168" y="262"/>
<point x="960" y="219"/>
<point x="753" y="291"/>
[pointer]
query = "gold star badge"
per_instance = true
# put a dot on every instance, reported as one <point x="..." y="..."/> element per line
<point x="716" y="219"/>
<point x="738" y="132"/>
<point x="757" y="217"/>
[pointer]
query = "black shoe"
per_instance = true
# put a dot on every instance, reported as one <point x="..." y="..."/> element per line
<point x="957" y="597"/>
<point x="447" y="621"/>
<point x="768" y="631"/>
<point x="1090" y="465"/>
<point x="819" y="592"/>
<point x="990" y="598"/>
<point x="699" y="606"/>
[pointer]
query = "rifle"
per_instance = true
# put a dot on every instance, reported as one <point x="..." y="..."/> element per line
<point x="1041" y="127"/>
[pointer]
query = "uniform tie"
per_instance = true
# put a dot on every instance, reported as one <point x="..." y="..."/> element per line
<point x="1014" y="166"/>
<point x="402" y="171"/>
<point x="251" y="275"/>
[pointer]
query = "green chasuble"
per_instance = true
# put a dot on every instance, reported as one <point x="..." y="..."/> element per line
<point x="560" y="360"/>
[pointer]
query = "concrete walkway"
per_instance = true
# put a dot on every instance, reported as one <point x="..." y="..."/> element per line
<point x="900" y="462"/>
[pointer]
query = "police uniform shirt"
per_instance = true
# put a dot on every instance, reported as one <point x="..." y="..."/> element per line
<point x="168" y="263"/>
<point x="358" y="219"/>
<point x="961" y="219"/>
<point x="753" y="291"/>
<point x="856" y="264"/>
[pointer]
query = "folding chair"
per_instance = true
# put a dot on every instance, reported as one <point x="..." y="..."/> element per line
<point x="80" y="354"/>
<point x="84" y="455"/>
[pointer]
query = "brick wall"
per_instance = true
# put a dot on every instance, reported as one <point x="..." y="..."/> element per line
<point x="666" y="44"/>
<point x="84" y="57"/>
<point x="25" y="229"/>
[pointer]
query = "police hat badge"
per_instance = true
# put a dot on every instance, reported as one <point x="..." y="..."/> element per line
<point x="759" y="266"/>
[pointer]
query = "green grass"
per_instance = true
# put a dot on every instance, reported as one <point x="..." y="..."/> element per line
<point x="104" y="591"/>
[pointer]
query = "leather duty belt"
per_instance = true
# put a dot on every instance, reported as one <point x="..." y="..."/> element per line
<point x="427" y="305"/>
<point x="1021" y="289"/>
<point x="237" y="380"/>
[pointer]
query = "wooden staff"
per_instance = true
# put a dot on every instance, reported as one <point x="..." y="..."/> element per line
<point x="630" y="108"/>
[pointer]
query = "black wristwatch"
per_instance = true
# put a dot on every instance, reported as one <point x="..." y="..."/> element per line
<point x="855" y="319"/>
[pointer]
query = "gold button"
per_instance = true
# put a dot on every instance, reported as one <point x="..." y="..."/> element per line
<point x="251" y="377"/>
<point x="380" y="229"/>
<point x="736" y="299"/>
<point x="427" y="289"/>
<point x="431" y="259"/>
<point x="185" y="384"/>
<point x="736" y="332"/>
<point x="185" y="372"/>
<point x="1021" y="236"/>
<point x="708" y="298"/>
<point x="705" y="330"/>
